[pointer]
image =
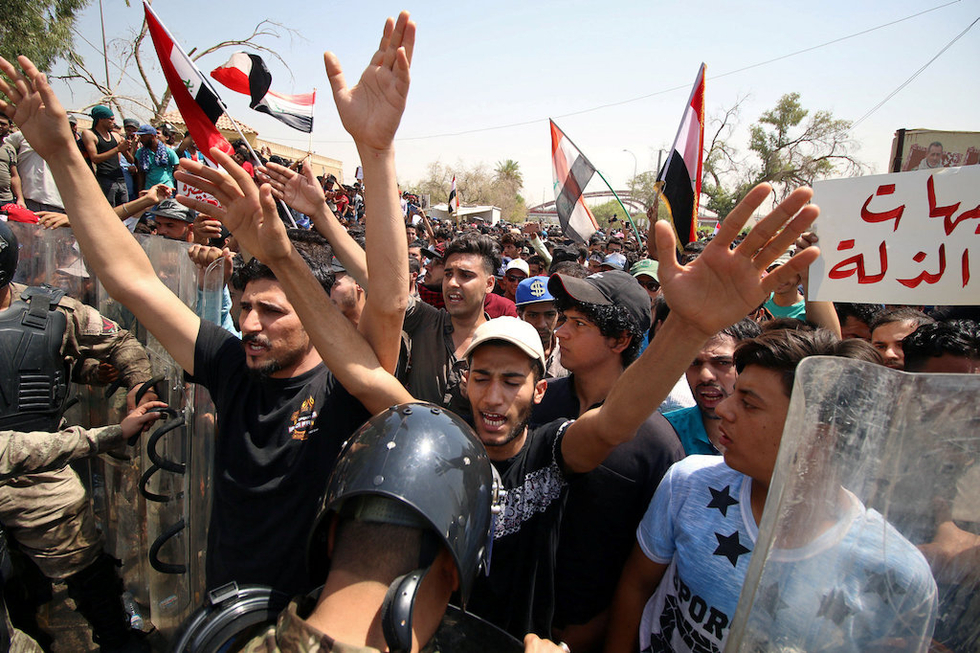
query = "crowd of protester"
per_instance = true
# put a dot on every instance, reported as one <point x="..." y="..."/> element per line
<point x="632" y="407"/>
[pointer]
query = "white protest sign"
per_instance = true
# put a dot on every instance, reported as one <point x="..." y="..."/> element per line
<point x="905" y="238"/>
<point x="190" y="191"/>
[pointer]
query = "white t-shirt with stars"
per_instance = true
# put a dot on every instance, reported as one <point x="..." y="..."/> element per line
<point x="858" y="582"/>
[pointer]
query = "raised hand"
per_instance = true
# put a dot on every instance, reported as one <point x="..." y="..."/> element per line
<point x="371" y="110"/>
<point x="299" y="191"/>
<point x="723" y="285"/>
<point x="248" y="211"/>
<point x="34" y="107"/>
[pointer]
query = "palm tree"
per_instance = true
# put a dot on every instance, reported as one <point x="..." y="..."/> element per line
<point x="510" y="171"/>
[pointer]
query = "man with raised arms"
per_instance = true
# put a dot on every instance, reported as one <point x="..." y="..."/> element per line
<point x="721" y="287"/>
<point x="282" y="414"/>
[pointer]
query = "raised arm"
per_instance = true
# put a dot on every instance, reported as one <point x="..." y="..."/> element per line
<point x="371" y="112"/>
<point x="301" y="191"/>
<point x="109" y="249"/>
<point x="823" y="314"/>
<point x="250" y="214"/>
<point x="719" y="288"/>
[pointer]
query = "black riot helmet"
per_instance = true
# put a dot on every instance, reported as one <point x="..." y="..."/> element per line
<point x="9" y="252"/>
<point x="430" y="460"/>
<point x="425" y="459"/>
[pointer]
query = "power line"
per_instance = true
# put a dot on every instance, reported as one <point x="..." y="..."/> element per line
<point x="608" y="105"/>
<point x="914" y="75"/>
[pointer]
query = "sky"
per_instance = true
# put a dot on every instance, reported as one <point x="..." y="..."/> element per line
<point x="615" y="76"/>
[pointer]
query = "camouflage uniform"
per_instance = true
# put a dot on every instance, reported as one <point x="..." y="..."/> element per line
<point x="291" y="633"/>
<point x="49" y="513"/>
<point x="36" y="451"/>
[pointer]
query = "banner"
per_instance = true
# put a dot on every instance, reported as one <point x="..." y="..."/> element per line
<point x="902" y="238"/>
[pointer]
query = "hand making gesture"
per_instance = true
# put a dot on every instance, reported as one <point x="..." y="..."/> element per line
<point x="371" y="110"/>
<point x="33" y="106"/>
<point x="247" y="210"/>
<point x="299" y="190"/>
<point x="723" y="285"/>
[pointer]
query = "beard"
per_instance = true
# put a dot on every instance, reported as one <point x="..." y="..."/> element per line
<point x="515" y="432"/>
<point x="265" y="370"/>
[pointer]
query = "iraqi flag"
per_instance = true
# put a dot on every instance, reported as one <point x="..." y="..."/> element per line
<point x="453" y="202"/>
<point x="247" y="74"/>
<point x="572" y="173"/>
<point x="681" y="175"/>
<point x="196" y="99"/>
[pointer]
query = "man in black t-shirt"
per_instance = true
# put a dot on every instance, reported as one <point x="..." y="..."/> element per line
<point x="604" y="317"/>
<point x="281" y="414"/>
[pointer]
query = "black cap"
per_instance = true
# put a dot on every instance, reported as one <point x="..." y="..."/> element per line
<point x="605" y="289"/>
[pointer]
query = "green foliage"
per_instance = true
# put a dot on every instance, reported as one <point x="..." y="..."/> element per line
<point x="39" y="29"/>
<point x="603" y="212"/>
<point x="788" y="148"/>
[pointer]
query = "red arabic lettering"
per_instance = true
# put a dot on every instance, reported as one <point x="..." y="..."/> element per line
<point x="946" y="212"/>
<point x="965" y="267"/>
<point x="856" y="263"/>
<point x="884" y="216"/>
<point x="927" y="277"/>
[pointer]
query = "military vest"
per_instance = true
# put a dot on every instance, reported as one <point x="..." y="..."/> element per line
<point x="34" y="375"/>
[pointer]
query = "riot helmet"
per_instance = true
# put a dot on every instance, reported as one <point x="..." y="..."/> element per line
<point x="9" y="252"/>
<point x="426" y="460"/>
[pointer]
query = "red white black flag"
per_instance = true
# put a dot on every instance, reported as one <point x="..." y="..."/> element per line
<point x="572" y="173"/>
<point x="196" y="99"/>
<point x="681" y="175"/>
<point x="247" y="74"/>
<point x="453" y="202"/>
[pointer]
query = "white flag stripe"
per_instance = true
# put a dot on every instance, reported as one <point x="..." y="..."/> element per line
<point x="279" y="103"/>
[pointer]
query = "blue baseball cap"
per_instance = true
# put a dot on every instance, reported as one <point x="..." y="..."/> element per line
<point x="533" y="290"/>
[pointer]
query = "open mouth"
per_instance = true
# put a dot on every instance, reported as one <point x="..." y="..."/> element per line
<point x="493" y="421"/>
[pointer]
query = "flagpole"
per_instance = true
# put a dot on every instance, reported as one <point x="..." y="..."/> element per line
<point x="312" y="115"/>
<point x="628" y="217"/>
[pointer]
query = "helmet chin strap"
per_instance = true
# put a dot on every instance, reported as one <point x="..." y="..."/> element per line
<point x="396" y="611"/>
<point x="399" y="601"/>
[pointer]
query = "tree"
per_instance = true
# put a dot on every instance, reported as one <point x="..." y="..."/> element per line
<point x="509" y="171"/>
<point x="39" y="29"/>
<point x="477" y="185"/>
<point x="130" y="51"/>
<point x="786" y="149"/>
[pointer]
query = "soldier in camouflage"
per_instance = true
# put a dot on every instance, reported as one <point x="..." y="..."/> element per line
<point x="30" y="452"/>
<point x="44" y="336"/>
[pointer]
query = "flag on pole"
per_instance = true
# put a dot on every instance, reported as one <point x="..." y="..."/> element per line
<point x="247" y="74"/>
<point x="572" y="173"/>
<point x="196" y="99"/>
<point x="681" y="175"/>
<point x="453" y="203"/>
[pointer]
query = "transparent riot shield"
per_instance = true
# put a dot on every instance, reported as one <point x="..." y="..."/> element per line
<point x="152" y="500"/>
<point x="175" y="471"/>
<point x="875" y="469"/>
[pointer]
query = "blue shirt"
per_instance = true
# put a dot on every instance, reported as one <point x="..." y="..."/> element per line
<point x="689" y="426"/>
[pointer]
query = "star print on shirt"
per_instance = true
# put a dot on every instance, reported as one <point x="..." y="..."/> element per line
<point x="771" y="601"/>
<point x="730" y="547"/>
<point x="834" y="606"/>
<point x="883" y="585"/>
<point x="722" y="499"/>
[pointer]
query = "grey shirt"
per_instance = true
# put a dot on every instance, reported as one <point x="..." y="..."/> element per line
<point x="429" y="368"/>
